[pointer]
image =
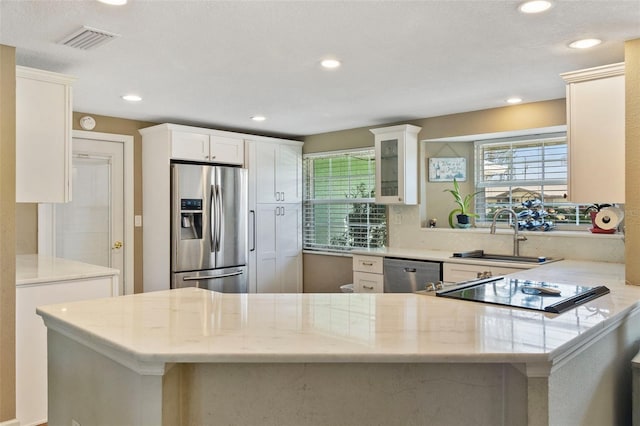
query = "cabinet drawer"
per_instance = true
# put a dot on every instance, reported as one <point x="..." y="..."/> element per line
<point x="458" y="272"/>
<point x="368" y="264"/>
<point x="364" y="282"/>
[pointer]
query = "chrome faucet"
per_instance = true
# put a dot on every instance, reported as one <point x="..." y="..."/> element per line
<point x="516" y="236"/>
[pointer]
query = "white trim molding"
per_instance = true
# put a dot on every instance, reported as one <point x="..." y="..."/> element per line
<point x="46" y="218"/>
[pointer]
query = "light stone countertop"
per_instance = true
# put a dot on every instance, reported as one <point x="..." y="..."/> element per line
<point x="38" y="269"/>
<point x="147" y="331"/>
<point x="438" y="256"/>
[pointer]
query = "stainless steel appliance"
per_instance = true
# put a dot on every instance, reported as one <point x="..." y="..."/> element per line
<point x="209" y="227"/>
<point x="540" y="296"/>
<point x="409" y="276"/>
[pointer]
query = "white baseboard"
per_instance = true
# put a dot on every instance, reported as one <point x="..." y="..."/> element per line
<point x="13" y="422"/>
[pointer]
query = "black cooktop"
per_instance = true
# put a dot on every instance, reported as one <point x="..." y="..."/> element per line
<point x="536" y="295"/>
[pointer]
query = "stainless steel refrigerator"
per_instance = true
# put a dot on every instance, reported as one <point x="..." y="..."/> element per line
<point x="209" y="227"/>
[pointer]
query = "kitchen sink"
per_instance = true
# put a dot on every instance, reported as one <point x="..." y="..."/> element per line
<point x="481" y="255"/>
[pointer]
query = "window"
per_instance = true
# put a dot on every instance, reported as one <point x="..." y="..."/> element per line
<point x="528" y="175"/>
<point x="338" y="207"/>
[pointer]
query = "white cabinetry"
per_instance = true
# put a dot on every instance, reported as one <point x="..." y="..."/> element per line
<point x="368" y="274"/>
<point x="459" y="272"/>
<point x="275" y="200"/>
<point x="596" y="134"/>
<point x="396" y="164"/>
<point x="279" y="167"/>
<point x="279" y="248"/>
<point x="203" y="147"/>
<point x="43" y="136"/>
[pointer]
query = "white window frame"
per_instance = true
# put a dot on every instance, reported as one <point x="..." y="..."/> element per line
<point x="339" y="201"/>
<point x="481" y="184"/>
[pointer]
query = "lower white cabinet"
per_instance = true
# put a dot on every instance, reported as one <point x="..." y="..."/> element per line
<point x="31" y="337"/>
<point x="366" y="282"/>
<point x="459" y="272"/>
<point x="278" y="246"/>
<point x="368" y="274"/>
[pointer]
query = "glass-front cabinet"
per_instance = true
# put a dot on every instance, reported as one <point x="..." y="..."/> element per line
<point x="396" y="164"/>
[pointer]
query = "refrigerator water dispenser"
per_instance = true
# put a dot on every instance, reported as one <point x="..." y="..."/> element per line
<point x="190" y="219"/>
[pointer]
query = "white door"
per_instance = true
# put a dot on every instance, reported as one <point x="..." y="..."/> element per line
<point x="90" y="228"/>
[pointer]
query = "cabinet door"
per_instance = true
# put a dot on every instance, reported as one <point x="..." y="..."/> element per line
<point x="43" y="137"/>
<point x="265" y="171"/>
<point x="289" y="174"/>
<point x="396" y="164"/>
<point x="279" y="248"/>
<point x="289" y="242"/>
<point x="266" y="249"/>
<point x="226" y="150"/>
<point x="189" y="146"/>
<point x="596" y="114"/>
<point x="388" y="163"/>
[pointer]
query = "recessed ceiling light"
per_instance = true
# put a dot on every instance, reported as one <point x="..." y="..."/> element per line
<point x="258" y="118"/>
<point x="114" y="2"/>
<point x="535" y="6"/>
<point x="330" y="63"/>
<point x="132" y="98"/>
<point x="514" y="100"/>
<point x="585" y="43"/>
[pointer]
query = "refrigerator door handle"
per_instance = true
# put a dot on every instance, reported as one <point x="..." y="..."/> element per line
<point x="213" y="217"/>
<point x="219" y="217"/>
<point x="253" y="214"/>
<point x="212" y="277"/>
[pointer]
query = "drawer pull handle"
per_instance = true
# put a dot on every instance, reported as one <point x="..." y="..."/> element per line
<point x="367" y="263"/>
<point x="367" y="287"/>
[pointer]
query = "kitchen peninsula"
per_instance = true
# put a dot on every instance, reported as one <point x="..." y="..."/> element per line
<point x="191" y="356"/>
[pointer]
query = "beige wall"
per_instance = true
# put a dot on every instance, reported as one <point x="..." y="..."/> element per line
<point x="7" y="233"/>
<point x="632" y="196"/>
<point x="325" y="274"/>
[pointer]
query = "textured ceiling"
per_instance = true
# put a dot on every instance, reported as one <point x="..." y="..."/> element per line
<point x="217" y="63"/>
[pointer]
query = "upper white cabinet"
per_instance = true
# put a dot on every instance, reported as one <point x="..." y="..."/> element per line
<point x="278" y="169"/>
<point x="206" y="147"/>
<point x="396" y="164"/>
<point x="596" y="134"/>
<point x="43" y="136"/>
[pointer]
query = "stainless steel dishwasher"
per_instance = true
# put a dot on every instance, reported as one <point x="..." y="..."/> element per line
<point x="409" y="276"/>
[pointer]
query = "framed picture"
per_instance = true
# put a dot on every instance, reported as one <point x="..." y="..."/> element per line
<point x="445" y="169"/>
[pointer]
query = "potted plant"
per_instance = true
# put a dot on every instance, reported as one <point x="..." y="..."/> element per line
<point x="463" y="212"/>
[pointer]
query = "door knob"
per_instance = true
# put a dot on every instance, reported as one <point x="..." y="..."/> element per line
<point x="117" y="245"/>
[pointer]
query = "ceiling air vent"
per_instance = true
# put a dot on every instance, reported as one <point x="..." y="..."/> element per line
<point x="87" y="38"/>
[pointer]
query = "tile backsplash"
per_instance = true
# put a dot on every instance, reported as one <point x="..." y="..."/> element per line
<point x="405" y="232"/>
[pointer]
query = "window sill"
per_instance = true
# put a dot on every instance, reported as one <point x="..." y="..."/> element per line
<point x="559" y="233"/>
<point x="328" y="253"/>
